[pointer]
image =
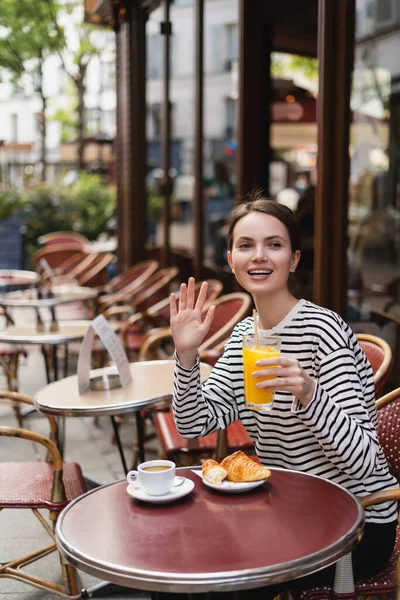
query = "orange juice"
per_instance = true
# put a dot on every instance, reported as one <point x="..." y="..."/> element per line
<point x="257" y="397"/>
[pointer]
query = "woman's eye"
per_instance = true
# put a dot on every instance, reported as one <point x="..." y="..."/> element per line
<point x="276" y="245"/>
<point x="244" y="245"/>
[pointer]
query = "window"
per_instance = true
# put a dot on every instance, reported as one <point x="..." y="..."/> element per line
<point x="38" y="122"/>
<point x="230" y="117"/>
<point x="14" y="128"/>
<point x="386" y="13"/>
<point x="107" y="75"/>
<point x="93" y="119"/>
<point x="156" y="119"/>
<point x="154" y="56"/>
<point x="108" y="122"/>
<point x="231" y="45"/>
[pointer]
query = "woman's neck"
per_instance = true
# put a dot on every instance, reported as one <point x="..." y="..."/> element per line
<point x="272" y="310"/>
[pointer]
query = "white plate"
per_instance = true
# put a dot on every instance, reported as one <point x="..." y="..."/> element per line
<point x="176" y="492"/>
<point x="231" y="487"/>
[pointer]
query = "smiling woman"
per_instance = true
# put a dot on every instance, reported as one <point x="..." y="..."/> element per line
<point x="323" y="419"/>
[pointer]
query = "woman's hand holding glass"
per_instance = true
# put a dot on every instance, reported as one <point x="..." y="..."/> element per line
<point x="187" y="324"/>
<point x="289" y="377"/>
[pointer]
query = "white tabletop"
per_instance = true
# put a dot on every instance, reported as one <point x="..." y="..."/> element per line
<point x="62" y="294"/>
<point x="68" y="331"/>
<point x="152" y="381"/>
<point x="15" y="277"/>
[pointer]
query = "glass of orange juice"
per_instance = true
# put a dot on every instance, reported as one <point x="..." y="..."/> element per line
<point x="268" y="347"/>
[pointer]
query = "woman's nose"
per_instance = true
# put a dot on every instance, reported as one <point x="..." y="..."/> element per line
<point x="259" y="252"/>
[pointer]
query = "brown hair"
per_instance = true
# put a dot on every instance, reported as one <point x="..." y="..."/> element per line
<point x="257" y="202"/>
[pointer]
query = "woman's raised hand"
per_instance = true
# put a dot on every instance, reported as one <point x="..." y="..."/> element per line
<point x="187" y="324"/>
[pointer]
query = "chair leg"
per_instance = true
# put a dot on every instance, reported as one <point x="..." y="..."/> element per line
<point x="70" y="578"/>
<point x="10" y="368"/>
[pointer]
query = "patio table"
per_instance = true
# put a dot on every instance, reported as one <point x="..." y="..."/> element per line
<point x="291" y="526"/>
<point x="61" y="294"/>
<point x="67" y="331"/>
<point x="16" y="279"/>
<point x="151" y="383"/>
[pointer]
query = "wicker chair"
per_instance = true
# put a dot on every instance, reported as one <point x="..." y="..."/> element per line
<point x="61" y="237"/>
<point x="56" y="254"/>
<point x="123" y="286"/>
<point x="380" y="357"/>
<point x="9" y="361"/>
<point x="96" y="273"/>
<point x="135" y="274"/>
<point x="39" y="485"/>
<point x="386" y="582"/>
<point x="143" y="298"/>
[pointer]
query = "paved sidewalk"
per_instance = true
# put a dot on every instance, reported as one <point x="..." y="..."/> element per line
<point x="86" y="443"/>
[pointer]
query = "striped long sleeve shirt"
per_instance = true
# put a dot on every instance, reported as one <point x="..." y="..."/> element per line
<point x="334" y="436"/>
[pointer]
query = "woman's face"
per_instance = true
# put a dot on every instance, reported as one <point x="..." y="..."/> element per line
<point x="261" y="257"/>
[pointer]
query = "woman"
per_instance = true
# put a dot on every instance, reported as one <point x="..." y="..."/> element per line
<point x="323" y="420"/>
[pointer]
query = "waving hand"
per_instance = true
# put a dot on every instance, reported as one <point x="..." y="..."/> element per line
<point x="187" y="324"/>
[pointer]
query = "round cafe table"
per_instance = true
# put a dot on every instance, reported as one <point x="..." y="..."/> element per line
<point x="16" y="279"/>
<point x="293" y="525"/>
<point x="151" y="383"/>
<point x="61" y="294"/>
<point x="68" y="331"/>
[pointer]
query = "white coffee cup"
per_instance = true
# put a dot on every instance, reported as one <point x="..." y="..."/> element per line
<point x="155" y="476"/>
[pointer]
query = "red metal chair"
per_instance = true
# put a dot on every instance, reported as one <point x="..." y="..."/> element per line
<point x="386" y="582"/>
<point x="379" y="355"/>
<point x="39" y="486"/>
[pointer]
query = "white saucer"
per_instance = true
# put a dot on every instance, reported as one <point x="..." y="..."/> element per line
<point x="231" y="487"/>
<point x="139" y="493"/>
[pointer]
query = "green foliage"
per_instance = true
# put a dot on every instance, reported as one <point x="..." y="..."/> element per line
<point x="154" y="205"/>
<point x="85" y="207"/>
<point x="307" y="66"/>
<point x="95" y="203"/>
<point x="10" y="202"/>
<point x="28" y="33"/>
<point x="287" y="66"/>
<point x="69" y="123"/>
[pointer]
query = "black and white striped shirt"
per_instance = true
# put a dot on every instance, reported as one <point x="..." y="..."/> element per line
<point x="333" y="437"/>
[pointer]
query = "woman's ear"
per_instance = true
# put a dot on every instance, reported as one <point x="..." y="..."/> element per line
<point x="295" y="261"/>
<point x="229" y="258"/>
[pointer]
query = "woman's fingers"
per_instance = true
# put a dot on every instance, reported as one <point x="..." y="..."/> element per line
<point x="201" y="300"/>
<point x="190" y="293"/>
<point x="172" y="305"/>
<point x="281" y="361"/>
<point x="209" y="318"/>
<point x="182" y="297"/>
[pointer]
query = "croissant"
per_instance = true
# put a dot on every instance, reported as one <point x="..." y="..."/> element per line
<point x="242" y="468"/>
<point x="213" y="472"/>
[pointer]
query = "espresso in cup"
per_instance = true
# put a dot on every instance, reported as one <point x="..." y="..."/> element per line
<point x="156" y="477"/>
<point x="156" y="468"/>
